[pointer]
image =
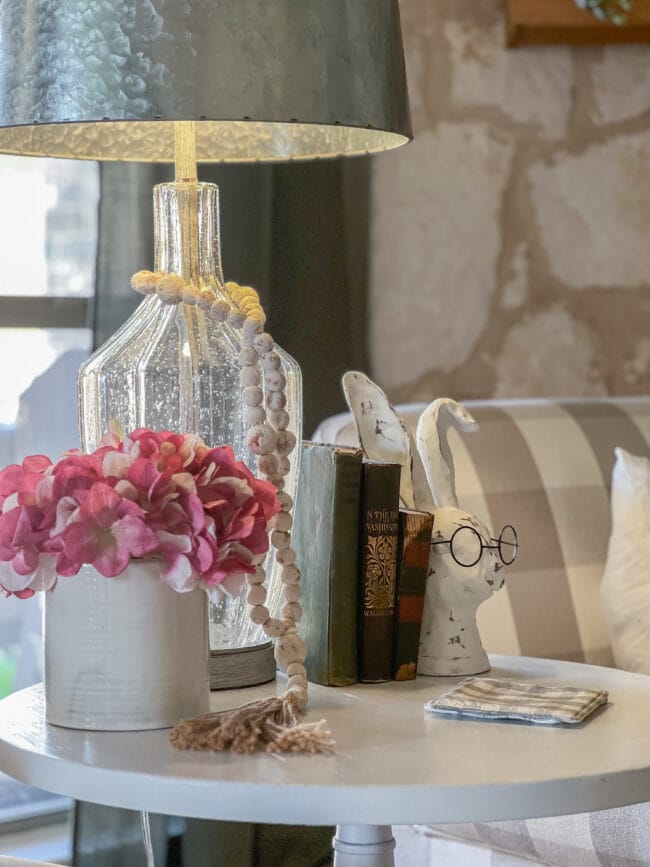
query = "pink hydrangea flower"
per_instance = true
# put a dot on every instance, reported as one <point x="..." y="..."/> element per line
<point x="161" y="494"/>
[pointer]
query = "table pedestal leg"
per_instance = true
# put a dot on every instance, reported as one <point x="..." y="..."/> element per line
<point x="363" y="846"/>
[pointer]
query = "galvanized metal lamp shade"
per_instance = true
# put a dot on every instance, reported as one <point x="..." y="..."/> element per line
<point x="262" y="79"/>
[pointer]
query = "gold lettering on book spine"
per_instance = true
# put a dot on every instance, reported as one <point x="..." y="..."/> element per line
<point x="379" y="583"/>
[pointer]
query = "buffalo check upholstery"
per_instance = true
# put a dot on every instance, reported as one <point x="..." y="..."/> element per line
<point x="545" y="467"/>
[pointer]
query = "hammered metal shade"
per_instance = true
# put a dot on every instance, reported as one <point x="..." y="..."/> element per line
<point x="263" y="79"/>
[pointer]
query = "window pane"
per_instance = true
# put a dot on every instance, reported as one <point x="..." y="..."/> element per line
<point x="38" y="390"/>
<point x="48" y="226"/>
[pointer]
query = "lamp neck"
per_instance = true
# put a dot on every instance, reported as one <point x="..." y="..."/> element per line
<point x="186" y="224"/>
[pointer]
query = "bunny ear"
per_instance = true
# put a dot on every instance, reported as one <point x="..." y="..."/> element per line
<point x="383" y="435"/>
<point x="434" y="449"/>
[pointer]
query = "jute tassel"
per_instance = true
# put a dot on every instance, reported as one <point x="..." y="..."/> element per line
<point x="272" y="724"/>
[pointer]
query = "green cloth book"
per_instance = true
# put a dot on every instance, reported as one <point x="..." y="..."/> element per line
<point x="414" y="548"/>
<point x="326" y="540"/>
<point x="378" y="569"/>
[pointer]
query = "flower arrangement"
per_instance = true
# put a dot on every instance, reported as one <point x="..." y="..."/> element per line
<point x="148" y="494"/>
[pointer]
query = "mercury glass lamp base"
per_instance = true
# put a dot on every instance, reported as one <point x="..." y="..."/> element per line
<point x="242" y="666"/>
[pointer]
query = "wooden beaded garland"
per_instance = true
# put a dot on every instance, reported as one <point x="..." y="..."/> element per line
<point x="268" y="438"/>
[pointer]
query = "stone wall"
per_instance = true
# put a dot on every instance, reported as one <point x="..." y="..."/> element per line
<point x="510" y="241"/>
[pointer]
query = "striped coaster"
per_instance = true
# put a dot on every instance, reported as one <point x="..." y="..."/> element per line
<point x="488" y="698"/>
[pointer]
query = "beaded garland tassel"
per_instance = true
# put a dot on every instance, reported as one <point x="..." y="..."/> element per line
<point x="274" y="723"/>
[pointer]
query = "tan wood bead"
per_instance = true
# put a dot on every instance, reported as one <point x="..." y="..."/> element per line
<point x="257" y="577"/>
<point x="274" y="380"/>
<point x="285" y="500"/>
<point x="270" y="361"/>
<point x="249" y="375"/>
<point x="276" y="400"/>
<point x="169" y="288"/>
<point x="144" y="282"/>
<point x="284" y="466"/>
<point x="254" y="415"/>
<point x="258" y="614"/>
<point x="264" y="343"/>
<point x="274" y="628"/>
<point x="189" y="295"/>
<point x="204" y="299"/>
<point x="267" y="465"/>
<point x="297" y="681"/>
<point x="292" y="611"/>
<point x="290" y="648"/>
<point x="286" y="557"/>
<point x="283" y="522"/>
<point x="248" y="356"/>
<point x="280" y="540"/>
<point x="286" y="443"/>
<point x="277" y="479"/>
<point x="251" y="327"/>
<point x="261" y="439"/>
<point x="279" y="418"/>
<point x="290" y="574"/>
<point x="236" y="318"/>
<point x="252" y="395"/>
<point x="256" y="595"/>
<point x="291" y="592"/>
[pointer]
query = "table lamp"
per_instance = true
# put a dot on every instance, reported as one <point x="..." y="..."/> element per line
<point x="206" y="81"/>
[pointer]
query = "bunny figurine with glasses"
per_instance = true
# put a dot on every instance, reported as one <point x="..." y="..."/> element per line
<point x="466" y="563"/>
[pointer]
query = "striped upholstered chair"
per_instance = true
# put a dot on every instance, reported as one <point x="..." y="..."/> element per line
<point x="544" y="466"/>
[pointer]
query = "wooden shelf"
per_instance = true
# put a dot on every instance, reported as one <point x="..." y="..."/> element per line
<point x="551" y="22"/>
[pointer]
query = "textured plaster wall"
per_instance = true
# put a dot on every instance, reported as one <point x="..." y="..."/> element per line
<point x="510" y="242"/>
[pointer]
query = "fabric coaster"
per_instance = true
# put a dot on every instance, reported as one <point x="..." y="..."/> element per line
<point x="488" y="698"/>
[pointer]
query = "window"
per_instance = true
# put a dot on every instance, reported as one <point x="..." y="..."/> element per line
<point x="48" y="238"/>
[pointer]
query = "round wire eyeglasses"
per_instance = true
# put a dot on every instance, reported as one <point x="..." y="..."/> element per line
<point x="466" y="545"/>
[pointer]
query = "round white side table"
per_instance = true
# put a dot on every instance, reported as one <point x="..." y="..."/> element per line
<point x="393" y="763"/>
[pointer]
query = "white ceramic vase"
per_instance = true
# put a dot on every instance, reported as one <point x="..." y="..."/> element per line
<point x="126" y="653"/>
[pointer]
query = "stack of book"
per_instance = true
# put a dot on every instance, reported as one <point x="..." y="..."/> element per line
<point x="364" y="566"/>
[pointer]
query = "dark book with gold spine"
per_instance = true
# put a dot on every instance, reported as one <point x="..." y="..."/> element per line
<point x="326" y="540"/>
<point x="414" y="547"/>
<point x="377" y="569"/>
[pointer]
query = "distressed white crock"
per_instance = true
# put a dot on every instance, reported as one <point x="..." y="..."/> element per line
<point x="126" y="653"/>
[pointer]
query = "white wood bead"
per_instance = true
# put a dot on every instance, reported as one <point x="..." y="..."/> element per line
<point x="267" y="465"/>
<point x="252" y="395"/>
<point x="270" y="361"/>
<point x="257" y="577"/>
<point x="145" y="282"/>
<point x="169" y="288"/>
<point x="297" y="681"/>
<point x="258" y="614"/>
<point x="279" y="418"/>
<point x="290" y="574"/>
<point x="286" y="557"/>
<point x="261" y="439"/>
<point x="249" y="375"/>
<point x="204" y="299"/>
<point x="283" y="521"/>
<point x="280" y="540"/>
<point x="236" y="318"/>
<point x="264" y="343"/>
<point x="219" y="310"/>
<point x="254" y="415"/>
<point x="292" y="611"/>
<point x="296" y="668"/>
<point x="274" y="628"/>
<point x="284" y="466"/>
<point x="291" y="592"/>
<point x="189" y="294"/>
<point x="274" y="380"/>
<point x="286" y="443"/>
<point x="285" y="500"/>
<point x="248" y="356"/>
<point x="256" y="595"/>
<point x="276" y="400"/>
<point x="291" y="648"/>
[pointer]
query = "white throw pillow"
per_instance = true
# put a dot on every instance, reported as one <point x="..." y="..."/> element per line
<point x="625" y="588"/>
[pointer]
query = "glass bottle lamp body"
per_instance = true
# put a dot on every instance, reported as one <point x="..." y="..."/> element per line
<point x="171" y="367"/>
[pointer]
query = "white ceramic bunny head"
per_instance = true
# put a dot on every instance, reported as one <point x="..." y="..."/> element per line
<point x="466" y="564"/>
